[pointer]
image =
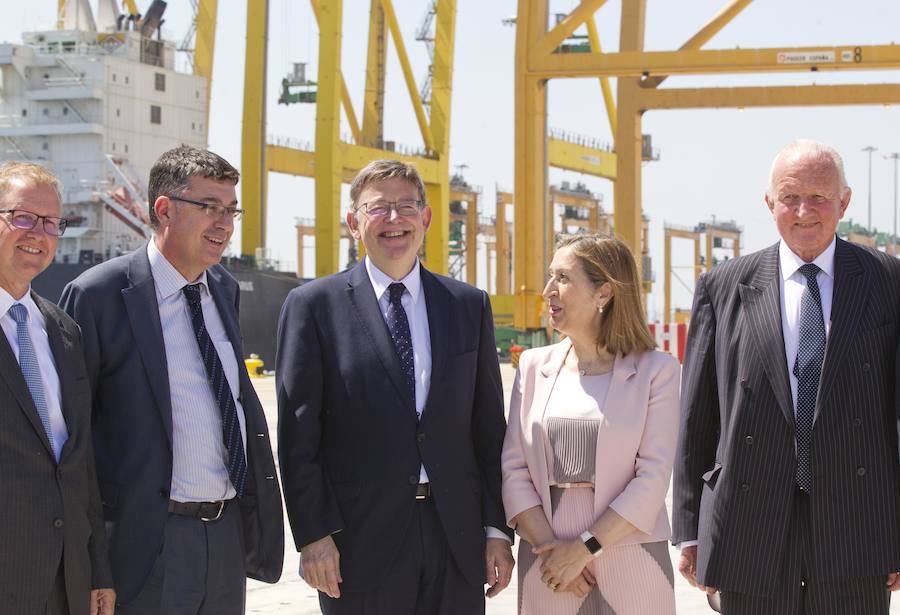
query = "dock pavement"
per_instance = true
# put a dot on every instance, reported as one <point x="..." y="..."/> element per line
<point x="292" y="596"/>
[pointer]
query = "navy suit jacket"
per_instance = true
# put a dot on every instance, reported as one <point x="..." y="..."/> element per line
<point x="49" y="511"/>
<point x="350" y="445"/>
<point x="115" y="304"/>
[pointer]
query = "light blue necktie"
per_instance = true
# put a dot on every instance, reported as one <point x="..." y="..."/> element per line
<point x="30" y="369"/>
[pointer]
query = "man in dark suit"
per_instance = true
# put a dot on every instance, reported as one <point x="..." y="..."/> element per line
<point x="391" y="421"/>
<point x="184" y="461"/>
<point x="52" y="541"/>
<point x="786" y="476"/>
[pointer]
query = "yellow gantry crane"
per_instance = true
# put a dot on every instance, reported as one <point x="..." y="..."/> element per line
<point x="332" y="161"/>
<point x="540" y="57"/>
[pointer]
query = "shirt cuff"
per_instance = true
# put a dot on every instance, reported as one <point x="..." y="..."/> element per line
<point x="687" y="543"/>
<point x="492" y="532"/>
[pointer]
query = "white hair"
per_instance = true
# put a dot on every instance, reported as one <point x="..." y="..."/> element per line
<point x="809" y="148"/>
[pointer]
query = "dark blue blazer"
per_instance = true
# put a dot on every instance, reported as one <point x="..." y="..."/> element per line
<point x="350" y="445"/>
<point x="115" y="304"/>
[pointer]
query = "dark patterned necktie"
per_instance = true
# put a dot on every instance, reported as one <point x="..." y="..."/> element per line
<point x="398" y="325"/>
<point x="231" y="427"/>
<point x="807" y="369"/>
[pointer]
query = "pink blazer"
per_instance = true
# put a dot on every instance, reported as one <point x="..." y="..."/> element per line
<point x="635" y="442"/>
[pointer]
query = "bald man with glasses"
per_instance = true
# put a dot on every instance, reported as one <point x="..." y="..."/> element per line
<point x="186" y="471"/>
<point x="52" y="538"/>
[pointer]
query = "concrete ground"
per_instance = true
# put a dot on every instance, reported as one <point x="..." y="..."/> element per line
<point x="292" y="596"/>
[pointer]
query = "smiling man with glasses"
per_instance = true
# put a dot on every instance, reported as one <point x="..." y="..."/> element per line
<point x="52" y="538"/>
<point x="185" y="464"/>
<point x="391" y="421"/>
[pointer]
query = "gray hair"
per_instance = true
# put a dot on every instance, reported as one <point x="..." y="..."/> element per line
<point x="809" y="148"/>
<point x="172" y="172"/>
<point x="381" y="170"/>
<point x="30" y="173"/>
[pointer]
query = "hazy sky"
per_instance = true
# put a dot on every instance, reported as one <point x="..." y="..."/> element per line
<point x="713" y="162"/>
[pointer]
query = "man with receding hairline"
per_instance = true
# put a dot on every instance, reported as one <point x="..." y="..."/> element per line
<point x="391" y="421"/>
<point x="185" y="465"/>
<point x="787" y="486"/>
<point x="53" y="558"/>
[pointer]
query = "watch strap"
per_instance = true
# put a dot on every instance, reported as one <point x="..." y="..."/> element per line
<point x="590" y="541"/>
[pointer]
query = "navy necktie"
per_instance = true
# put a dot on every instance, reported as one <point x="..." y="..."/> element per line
<point x="398" y="325"/>
<point x="808" y="369"/>
<point x="31" y="370"/>
<point x="231" y="428"/>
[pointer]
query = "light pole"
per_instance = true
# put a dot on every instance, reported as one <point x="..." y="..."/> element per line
<point x="870" y="149"/>
<point x="895" y="157"/>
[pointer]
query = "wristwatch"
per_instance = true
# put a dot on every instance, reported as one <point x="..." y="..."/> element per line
<point x="590" y="541"/>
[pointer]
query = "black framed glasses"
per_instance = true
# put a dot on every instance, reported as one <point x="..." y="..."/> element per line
<point x="380" y="209"/>
<point x="213" y="211"/>
<point x="26" y="221"/>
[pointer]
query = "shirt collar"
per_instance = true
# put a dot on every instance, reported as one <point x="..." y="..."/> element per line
<point x="790" y="262"/>
<point x="380" y="280"/>
<point x="167" y="279"/>
<point x="7" y="301"/>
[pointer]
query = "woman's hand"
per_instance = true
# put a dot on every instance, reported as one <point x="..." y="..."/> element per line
<point x="563" y="562"/>
<point x="582" y="585"/>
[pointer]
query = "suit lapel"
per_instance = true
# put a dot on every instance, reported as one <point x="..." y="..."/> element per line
<point x="223" y="296"/>
<point x="548" y="372"/>
<point x="437" y="304"/>
<point x="762" y="303"/>
<point x="12" y="374"/>
<point x="143" y="313"/>
<point x="362" y="298"/>
<point x="852" y="287"/>
<point x="60" y="338"/>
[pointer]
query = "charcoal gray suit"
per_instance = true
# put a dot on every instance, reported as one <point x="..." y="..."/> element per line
<point x="50" y="512"/>
<point x="736" y="462"/>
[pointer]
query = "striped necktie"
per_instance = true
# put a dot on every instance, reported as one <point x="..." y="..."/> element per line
<point x="398" y="325"/>
<point x="215" y="373"/>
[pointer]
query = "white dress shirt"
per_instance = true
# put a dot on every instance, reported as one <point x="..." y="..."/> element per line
<point x="792" y="283"/>
<point x="199" y="457"/>
<point x="413" y="301"/>
<point x="37" y="329"/>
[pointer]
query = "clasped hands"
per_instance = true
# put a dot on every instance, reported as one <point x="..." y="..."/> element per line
<point x="565" y="566"/>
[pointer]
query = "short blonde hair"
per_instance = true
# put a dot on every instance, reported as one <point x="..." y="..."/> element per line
<point x="623" y="325"/>
<point x="29" y="173"/>
<point x="381" y="170"/>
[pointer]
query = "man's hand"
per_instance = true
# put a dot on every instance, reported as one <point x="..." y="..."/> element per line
<point x="564" y="561"/>
<point x="893" y="581"/>
<point x="103" y="601"/>
<point x="499" y="562"/>
<point x="321" y="566"/>
<point x="687" y="566"/>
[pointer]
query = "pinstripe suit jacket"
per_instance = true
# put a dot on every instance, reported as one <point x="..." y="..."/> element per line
<point x="49" y="511"/>
<point x="735" y="464"/>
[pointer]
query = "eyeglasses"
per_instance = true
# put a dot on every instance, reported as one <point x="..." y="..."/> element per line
<point x="25" y="220"/>
<point x="380" y="209"/>
<point x="213" y="211"/>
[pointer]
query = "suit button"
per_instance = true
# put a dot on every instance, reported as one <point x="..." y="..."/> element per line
<point x="413" y="480"/>
<point x="58" y="523"/>
<point x="420" y="437"/>
<point x="745" y="487"/>
<point x="744" y="384"/>
<point x="58" y="473"/>
<point x="748" y="440"/>
<point x="857" y="422"/>
<point x="865" y="367"/>
<point x="163" y="494"/>
<point x="860" y="471"/>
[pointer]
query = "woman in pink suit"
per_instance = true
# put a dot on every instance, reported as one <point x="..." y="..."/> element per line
<point x="590" y="443"/>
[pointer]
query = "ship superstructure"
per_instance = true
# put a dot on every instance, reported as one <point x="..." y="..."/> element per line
<point x="98" y="100"/>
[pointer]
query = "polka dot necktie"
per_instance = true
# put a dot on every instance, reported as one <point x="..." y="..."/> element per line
<point x="398" y="325"/>
<point x="807" y="369"/>
<point x="215" y="374"/>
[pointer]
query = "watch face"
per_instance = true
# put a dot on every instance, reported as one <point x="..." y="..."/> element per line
<point x="593" y="545"/>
